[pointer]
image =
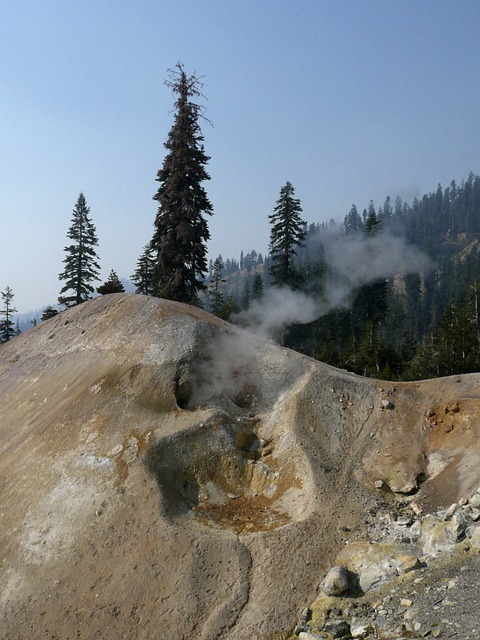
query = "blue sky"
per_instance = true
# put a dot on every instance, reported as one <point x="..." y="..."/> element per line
<point x="349" y="100"/>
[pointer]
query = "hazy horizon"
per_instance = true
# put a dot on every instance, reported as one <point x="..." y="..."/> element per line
<point x="348" y="101"/>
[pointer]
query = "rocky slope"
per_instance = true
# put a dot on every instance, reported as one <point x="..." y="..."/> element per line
<point x="164" y="475"/>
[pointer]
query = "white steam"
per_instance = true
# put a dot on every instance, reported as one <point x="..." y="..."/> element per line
<point x="228" y="368"/>
<point x="278" y="308"/>
<point x="351" y="261"/>
<point x="354" y="261"/>
<point x="366" y="259"/>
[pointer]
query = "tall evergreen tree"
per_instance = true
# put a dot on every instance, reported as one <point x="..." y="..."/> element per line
<point x="372" y="222"/>
<point x="257" y="287"/>
<point x="215" y="289"/>
<point x="287" y="234"/>
<point x="181" y="229"/>
<point x="352" y="222"/>
<point x="81" y="266"/>
<point x="230" y="307"/>
<point x="413" y="305"/>
<point x="7" y="331"/>
<point x="143" y="276"/>
<point x="387" y="210"/>
<point x="425" y="363"/>
<point x="246" y="293"/>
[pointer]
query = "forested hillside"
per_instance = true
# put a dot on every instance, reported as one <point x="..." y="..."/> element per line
<point x="404" y="326"/>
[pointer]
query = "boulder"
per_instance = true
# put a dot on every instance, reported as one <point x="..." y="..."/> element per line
<point x="439" y="537"/>
<point x="337" y="628"/>
<point x="475" y="538"/>
<point x="336" y="581"/>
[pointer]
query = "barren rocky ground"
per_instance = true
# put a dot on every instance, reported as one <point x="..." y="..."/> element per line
<point x="164" y="475"/>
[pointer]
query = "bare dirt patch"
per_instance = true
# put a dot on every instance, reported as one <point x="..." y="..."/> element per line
<point x="134" y="504"/>
<point x="226" y="475"/>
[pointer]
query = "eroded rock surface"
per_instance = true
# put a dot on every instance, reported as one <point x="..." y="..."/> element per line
<point x="163" y="474"/>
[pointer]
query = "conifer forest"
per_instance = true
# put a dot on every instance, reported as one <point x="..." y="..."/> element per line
<point x="405" y="326"/>
<point x="414" y="318"/>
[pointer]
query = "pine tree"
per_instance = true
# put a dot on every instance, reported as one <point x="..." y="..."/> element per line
<point x="353" y="221"/>
<point x="48" y="312"/>
<point x="143" y="276"/>
<point x="372" y="222"/>
<point x="426" y="361"/>
<point x="215" y="292"/>
<point x="257" y="287"/>
<point x="81" y="266"/>
<point x="246" y="292"/>
<point x="112" y="285"/>
<point x="473" y="311"/>
<point x="287" y="234"/>
<point x="413" y="305"/>
<point x="387" y="211"/>
<point x="181" y="229"/>
<point x="7" y="331"/>
<point x="230" y="307"/>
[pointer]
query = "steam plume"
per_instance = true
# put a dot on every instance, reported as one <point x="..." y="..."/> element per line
<point x="351" y="261"/>
<point x="354" y="261"/>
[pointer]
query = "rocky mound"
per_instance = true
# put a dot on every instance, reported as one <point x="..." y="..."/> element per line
<point x="163" y="474"/>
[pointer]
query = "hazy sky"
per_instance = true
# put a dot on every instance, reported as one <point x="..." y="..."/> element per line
<point x="349" y="100"/>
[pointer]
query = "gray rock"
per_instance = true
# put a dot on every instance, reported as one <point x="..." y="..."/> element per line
<point x="475" y="537"/>
<point x="301" y="627"/>
<point x="337" y="628"/>
<point x="441" y="537"/>
<point x="376" y="574"/>
<point x="452" y="509"/>
<point x="474" y="501"/>
<point x="336" y="581"/>
<point x="415" y="531"/>
<point x="474" y="514"/>
<point x="455" y="528"/>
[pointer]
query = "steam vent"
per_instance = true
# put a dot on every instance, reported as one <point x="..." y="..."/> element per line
<point x="166" y="475"/>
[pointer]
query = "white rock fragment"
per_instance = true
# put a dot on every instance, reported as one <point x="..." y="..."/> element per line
<point x="386" y="404"/>
<point x="450" y="511"/>
<point x="115" y="451"/>
<point x="358" y="630"/>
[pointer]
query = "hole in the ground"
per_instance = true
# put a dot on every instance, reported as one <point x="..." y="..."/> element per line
<point x="183" y="385"/>
<point x="183" y="392"/>
<point x="227" y="476"/>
